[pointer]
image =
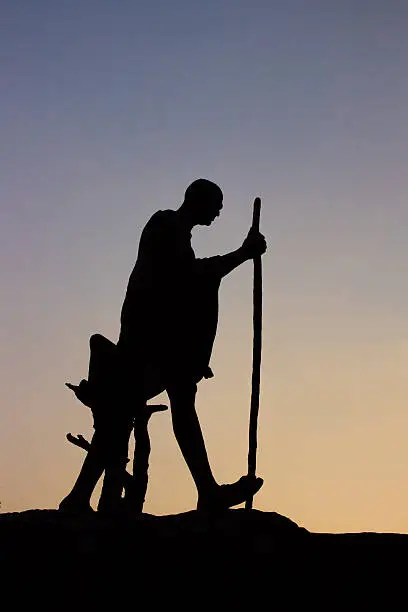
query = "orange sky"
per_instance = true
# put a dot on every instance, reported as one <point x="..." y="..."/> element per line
<point x="107" y="116"/>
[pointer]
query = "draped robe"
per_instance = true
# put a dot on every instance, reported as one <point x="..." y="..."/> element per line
<point x="170" y="312"/>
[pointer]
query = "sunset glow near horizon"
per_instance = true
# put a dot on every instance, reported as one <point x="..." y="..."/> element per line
<point x="108" y="111"/>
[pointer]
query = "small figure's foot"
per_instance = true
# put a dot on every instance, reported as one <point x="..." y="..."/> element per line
<point x="72" y="504"/>
<point x="115" y="511"/>
<point x="135" y="493"/>
<point x="82" y="392"/>
<point x="131" y="508"/>
<point x="125" y="510"/>
<point x="78" y="440"/>
<point x="227" y="496"/>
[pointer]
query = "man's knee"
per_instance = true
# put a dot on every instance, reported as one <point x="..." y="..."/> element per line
<point x="181" y="387"/>
<point x="182" y="395"/>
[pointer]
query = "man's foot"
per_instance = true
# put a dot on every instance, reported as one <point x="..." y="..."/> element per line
<point x="71" y="504"/>
<point x="227" y="496"/>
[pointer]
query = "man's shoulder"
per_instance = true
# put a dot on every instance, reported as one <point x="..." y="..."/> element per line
<point x="162" y="220"/>
<point x="163" y="216"/>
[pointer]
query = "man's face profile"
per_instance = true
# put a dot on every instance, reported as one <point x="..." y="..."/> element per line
<point x="204" y="199"/>
<point x="208" y="208"/>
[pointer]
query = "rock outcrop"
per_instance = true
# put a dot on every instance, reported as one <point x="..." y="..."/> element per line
<point x="238" y="560"/>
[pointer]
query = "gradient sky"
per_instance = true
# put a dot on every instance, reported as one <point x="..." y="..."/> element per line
<point x="108" y="110"/>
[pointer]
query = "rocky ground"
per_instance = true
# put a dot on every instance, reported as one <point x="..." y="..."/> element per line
<point x="239" y="560"/>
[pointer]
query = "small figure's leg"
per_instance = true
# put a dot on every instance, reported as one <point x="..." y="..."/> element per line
<point x="94" y="393"/>
<point x="136" y="491"/>
<point x="78" y="500"/>
<point x="136" y="486"/>
<point x="115" y="452"/>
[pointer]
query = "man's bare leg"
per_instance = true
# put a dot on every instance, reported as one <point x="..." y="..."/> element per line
<point x="188" y="434"/>
<point x="187" y="430"/>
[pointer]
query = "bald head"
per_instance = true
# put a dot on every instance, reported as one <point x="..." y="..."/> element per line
<point x="202" y="189"/>
<point x="203" y="200"/>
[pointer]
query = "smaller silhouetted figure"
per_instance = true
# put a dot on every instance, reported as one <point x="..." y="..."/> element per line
<point x="168" y="325"/>
<point x="142" y="449"/>
<point x="102" y="366"/>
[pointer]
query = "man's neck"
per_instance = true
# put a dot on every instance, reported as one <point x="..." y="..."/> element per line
<point x="185" y="216"/>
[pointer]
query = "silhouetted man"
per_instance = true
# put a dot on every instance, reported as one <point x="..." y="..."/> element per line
<point x="169" y="320"/>
<point x="168" y="325"/>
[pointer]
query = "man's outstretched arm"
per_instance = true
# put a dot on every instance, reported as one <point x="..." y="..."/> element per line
<point x="253" y="245"/>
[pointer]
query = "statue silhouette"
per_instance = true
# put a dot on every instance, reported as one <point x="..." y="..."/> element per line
<point x="142" y="447"/>
<point x="168" y="325"/>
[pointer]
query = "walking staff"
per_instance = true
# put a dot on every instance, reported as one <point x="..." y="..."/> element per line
<point x="256" y="355"/>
